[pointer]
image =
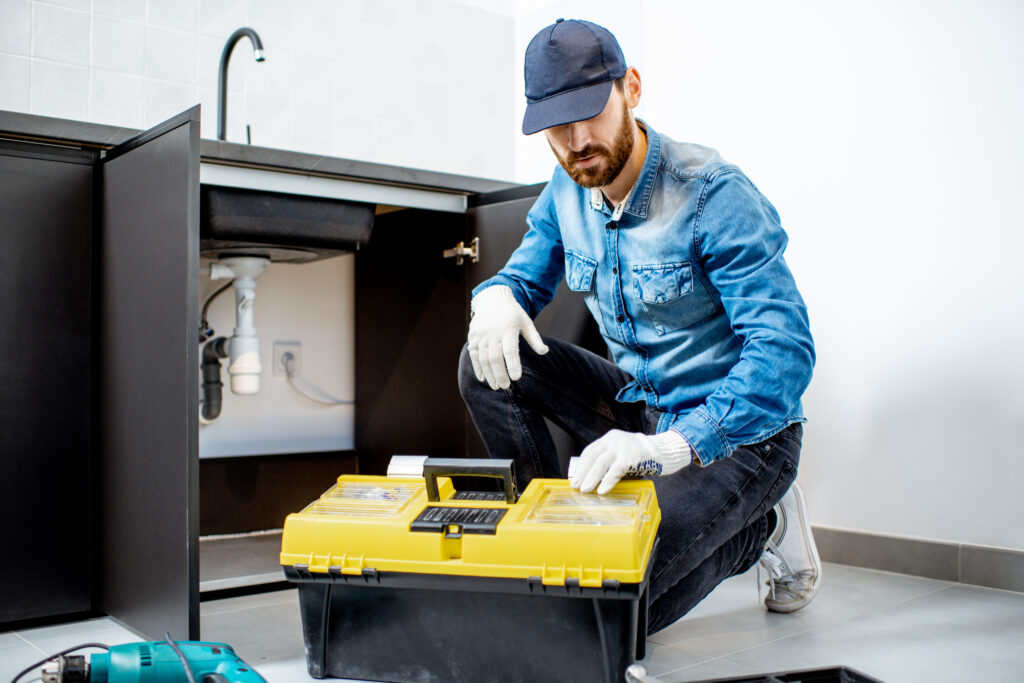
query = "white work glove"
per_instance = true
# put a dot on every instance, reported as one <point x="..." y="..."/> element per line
<point x="494" y="331"/>
<point x="619" y="453"/>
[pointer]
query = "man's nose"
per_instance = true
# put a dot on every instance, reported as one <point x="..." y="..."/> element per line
<point x="579" y="136"/>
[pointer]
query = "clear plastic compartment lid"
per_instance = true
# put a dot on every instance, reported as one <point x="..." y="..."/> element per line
<point x="568" y="506"/>
<point x="365" y="499"/>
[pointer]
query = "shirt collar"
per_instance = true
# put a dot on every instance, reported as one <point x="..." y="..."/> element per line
<point x="639" y="196"/>
<point x="597" y="202"/>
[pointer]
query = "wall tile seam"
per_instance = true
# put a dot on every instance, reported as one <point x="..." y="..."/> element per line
<point x="50" y="60"/>
<point x="133" y="22"/>
<point x="160" y="79"/>
<point x="169" y="29"/>
<point x="150" y="22"/>
<point x="119" y="72"/>
<point x="7" y="53"/>
<point x="56" y="5"/>
<point x="200" y="31"/>
<point x="31" y="68"/>
<point x="57" y="62"/>
<point x="112" y="15"/>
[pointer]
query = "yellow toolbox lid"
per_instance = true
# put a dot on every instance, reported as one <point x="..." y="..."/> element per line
<point x="553" y="532"/>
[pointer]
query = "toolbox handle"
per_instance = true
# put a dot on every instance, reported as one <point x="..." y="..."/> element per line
<point x="473" y="467"/>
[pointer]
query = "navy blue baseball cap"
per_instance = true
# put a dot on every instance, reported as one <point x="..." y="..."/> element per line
<point x="570" y="68"/>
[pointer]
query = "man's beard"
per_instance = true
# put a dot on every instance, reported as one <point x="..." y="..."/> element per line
<point x="600" y="174"/>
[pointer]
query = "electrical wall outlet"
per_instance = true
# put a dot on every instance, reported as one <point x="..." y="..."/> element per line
<point x="281" y="349"/>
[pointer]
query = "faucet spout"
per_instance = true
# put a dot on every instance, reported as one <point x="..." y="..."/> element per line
<point x="222" y="75"/>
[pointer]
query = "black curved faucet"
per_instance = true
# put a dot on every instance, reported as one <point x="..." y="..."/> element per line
<point x="222" y="76"/>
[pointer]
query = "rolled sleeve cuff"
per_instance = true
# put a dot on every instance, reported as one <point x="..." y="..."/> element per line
<point x="706" y="438"/>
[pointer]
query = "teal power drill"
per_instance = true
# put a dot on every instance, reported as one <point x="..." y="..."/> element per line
<point x="154" y="662"/>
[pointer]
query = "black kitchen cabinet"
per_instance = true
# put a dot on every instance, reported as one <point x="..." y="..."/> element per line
<point x="99" y="389"/>
<point x="46" y="542"/>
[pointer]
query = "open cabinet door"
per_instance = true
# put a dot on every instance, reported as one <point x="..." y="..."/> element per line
<point x="498" y="219"/>
<point x="147" y="380"/>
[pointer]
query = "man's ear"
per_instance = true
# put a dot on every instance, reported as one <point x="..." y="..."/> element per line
<point x="632" y="87"/>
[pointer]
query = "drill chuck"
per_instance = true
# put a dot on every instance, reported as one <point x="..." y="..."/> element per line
<point x="66" y="669"/>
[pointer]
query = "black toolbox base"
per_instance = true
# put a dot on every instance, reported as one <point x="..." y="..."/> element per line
<point x="424" y="635"/>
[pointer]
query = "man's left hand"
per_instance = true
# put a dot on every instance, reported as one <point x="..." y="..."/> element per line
<point x="618" y="453"/>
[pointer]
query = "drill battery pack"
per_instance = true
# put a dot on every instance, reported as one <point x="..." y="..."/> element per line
<point x="406" y="579"/>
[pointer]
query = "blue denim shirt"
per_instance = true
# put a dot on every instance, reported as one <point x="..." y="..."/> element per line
<point x="690" y="290"/>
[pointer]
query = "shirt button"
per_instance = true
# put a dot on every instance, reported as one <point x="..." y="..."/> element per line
<point x="620" y="319"/>
<point x="611" y="225"/>
<point x="614" y="271"/>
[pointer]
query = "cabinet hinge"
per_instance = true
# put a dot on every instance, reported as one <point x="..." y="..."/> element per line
<point x="460" y="251"/>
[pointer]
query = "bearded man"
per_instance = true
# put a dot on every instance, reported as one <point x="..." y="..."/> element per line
<point x="680" y="261"/>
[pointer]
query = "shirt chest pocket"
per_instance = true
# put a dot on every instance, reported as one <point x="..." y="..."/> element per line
<point x="670" y="296"/>
<point x="579" y="271"/>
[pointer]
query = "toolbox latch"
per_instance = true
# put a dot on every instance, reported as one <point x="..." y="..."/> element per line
<point x="455" y="521"/>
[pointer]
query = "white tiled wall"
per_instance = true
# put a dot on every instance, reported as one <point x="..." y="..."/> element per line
<point x="410" y="82"/>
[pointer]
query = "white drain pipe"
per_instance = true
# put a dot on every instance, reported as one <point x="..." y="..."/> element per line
<point x="243" y="346"/>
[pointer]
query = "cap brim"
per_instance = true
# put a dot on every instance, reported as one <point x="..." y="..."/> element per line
<point x="567" y="107"/>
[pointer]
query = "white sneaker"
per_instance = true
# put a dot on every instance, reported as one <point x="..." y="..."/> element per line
<point x="790" y="557"/>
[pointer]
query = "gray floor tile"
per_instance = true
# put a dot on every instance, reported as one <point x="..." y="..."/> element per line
<point x="715" y="668"/>
<point x="731" y="618"/>
<point x="54" y="638"/>
<point x="15" y="655"/>
<point x="960" y="633"/>
<point x="293" y="671"/>
<point x="72" y="628"/>
<point x="212" y="607"/>
<point x="266" y="631"/>
<point x="664" y="658"/>
<point x="36" y="643"/>
<point x="10" y="638"/>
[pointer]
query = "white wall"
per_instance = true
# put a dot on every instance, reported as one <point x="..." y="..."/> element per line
<point x="887" y="135"/>
<point x="391" y="81"/>
<point x="310" y="303"/>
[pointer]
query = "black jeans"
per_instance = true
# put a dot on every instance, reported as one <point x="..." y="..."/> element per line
<point x="713" y="518"/>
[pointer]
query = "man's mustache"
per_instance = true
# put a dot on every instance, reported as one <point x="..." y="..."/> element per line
<point x="587" y="151"/>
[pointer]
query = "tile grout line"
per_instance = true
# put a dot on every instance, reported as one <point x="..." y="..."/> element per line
<point x="29" y="643"/>
<point x="243" y="609"/>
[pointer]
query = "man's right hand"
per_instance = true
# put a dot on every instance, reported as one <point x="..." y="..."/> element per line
<point x="494" y="331"/>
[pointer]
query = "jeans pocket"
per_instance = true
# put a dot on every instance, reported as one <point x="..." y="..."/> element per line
<point x="670" y="296"/>
<point x="790" y="436"/>
<point x="783" y="480"/>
